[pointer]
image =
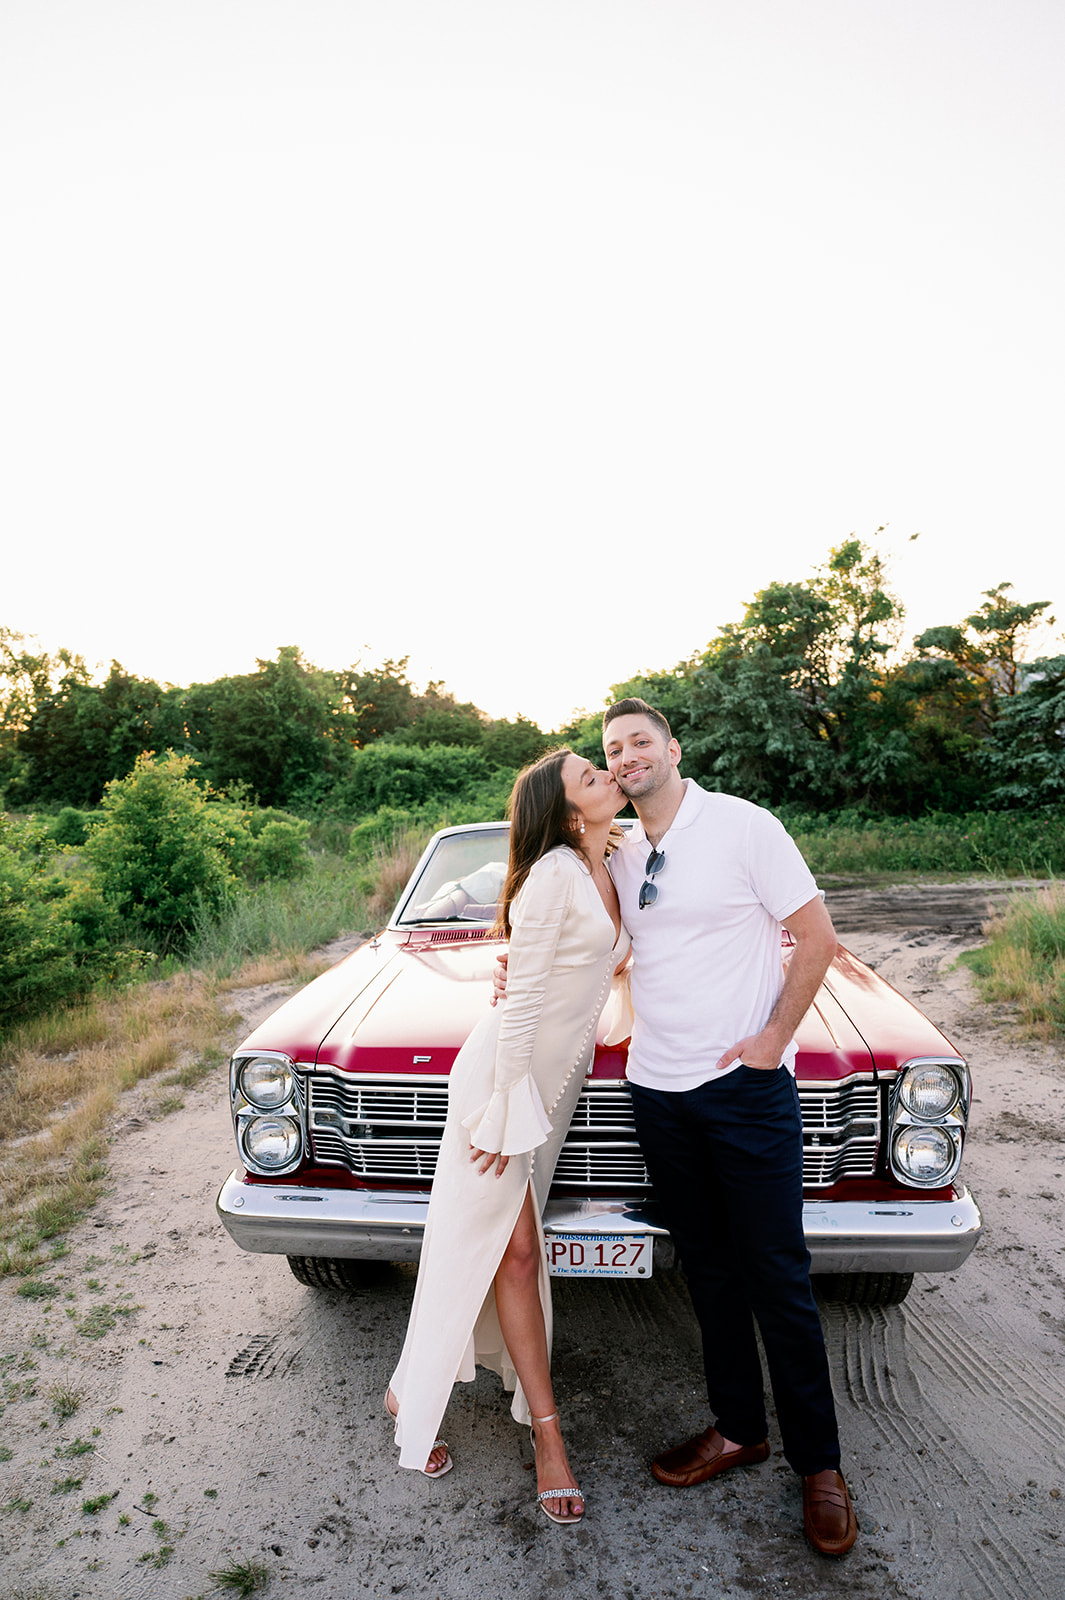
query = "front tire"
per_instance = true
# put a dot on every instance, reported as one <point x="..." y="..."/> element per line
<point x="863" y="1288"/>
<point x="334" y="1272"/>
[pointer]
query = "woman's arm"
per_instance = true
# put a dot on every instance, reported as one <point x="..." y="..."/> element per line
<point x="514" y="1119"/>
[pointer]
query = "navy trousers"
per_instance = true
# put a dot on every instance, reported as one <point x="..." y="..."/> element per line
<point x="726" y="1163"/>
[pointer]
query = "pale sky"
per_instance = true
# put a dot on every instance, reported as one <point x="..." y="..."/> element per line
<point x="524" y="339"/>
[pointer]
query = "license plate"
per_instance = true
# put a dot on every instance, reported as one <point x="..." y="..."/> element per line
<point x="599" y="1255"/>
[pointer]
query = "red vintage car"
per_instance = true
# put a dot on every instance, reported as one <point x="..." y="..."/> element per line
<point x="339" y="1101"/>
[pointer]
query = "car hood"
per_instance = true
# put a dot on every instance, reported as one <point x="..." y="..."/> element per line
<point x="419" y="1012"/>
<point x="406" y="1003"/>
<point x="299" y="1025"/>
<point x="883" y="1016"/>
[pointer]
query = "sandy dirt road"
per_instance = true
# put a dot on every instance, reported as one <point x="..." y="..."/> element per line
<point x="234" y="1415"/>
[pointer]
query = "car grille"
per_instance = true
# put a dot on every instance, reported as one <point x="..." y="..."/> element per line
<point x="389" y="1132"/>
<point x="840" y="1133"/>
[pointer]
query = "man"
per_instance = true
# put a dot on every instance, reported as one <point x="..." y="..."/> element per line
<point x="705" y="882"/>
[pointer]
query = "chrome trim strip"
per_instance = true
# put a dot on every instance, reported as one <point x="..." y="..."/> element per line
<point x="897" y="1235"/>
<point x="366" y="1080"/>
<point x="811" y="1085"/>
<point x="806" y="1085"/>
<point x="827" y="1085"/>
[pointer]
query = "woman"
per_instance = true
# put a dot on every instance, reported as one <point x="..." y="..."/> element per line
<point x="483" y="1292"/>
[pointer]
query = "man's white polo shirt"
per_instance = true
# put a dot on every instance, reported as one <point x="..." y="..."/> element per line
<point x="706" y="956"/>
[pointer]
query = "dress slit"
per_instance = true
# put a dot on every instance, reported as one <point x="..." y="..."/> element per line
<point x="565" y="937"/>
<point x="446" y="1347"/>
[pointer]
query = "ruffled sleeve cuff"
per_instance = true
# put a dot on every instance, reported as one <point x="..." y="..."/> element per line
<point x="513" y="1121"/>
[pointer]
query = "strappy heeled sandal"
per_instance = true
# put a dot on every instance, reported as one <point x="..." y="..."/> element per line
<point x="437" y="1444"/>
<point x="556" y="1494"/>
<point x="439" y="1472"/>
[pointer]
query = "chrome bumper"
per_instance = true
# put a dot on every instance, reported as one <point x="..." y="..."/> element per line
<point x="911" y="1235"/>
<point x="905" y="1235"/>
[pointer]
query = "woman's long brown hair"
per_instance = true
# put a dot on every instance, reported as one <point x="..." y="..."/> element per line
<point x="540" y="818"/>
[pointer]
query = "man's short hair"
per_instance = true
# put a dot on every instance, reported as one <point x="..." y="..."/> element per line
<point x="634" y="707"/>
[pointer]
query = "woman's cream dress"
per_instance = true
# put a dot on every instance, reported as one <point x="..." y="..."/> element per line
<point x="513" y="1088"/>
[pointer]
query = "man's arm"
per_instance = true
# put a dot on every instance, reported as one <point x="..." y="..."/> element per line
<point x="815" y="946"/>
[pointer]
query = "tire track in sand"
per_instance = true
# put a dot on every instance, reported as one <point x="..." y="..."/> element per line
<point x="896" y="1370"/>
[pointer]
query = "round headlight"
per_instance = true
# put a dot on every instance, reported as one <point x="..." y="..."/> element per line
<point x="272" y="1142"/>
<point x="929" y="1090"/>
<point x="266" y="1083"/>
<point x="924" y="1154"/>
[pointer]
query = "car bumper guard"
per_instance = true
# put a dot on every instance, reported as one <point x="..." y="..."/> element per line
<point x="904" y="1235"/>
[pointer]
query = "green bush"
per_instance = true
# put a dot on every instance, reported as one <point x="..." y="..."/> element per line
<point x="391" y="826"/>
<point x="1025" y="752"/>
<point x="282" y="850"/>
<point x="1023" y="962"/>
<point x="1014" y="844"/>
<point x="71" y="826"/>
<point x="380" y="832"/>
<point x="515" y="744"/>
<point x="485" y="802"/>
<point x="159" y="849"/>
<point x="329" y="835"/>
<point x="51" y="949"/>
<point x="407" y="777"/>
<point x="37" y="961"/>
<point x="263" y="843"/>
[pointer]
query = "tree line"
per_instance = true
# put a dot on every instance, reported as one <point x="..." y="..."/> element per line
<point x="811" y="700"/>
<point x="136" y="813"/>
<point x="287" y="734"/>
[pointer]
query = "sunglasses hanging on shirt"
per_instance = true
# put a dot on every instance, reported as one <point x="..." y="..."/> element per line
<point x="649" y="889"/>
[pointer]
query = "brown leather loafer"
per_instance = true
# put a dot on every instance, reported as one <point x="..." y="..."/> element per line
<point x="827" y="1514"/>
<point x="704" y="1457"/>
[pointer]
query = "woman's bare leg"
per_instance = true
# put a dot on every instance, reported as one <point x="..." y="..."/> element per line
<point x="437" y="1455"/>
<point x="521" y="1317"/>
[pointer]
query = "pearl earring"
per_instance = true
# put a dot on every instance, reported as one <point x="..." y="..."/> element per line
<point x="581" y="830"/>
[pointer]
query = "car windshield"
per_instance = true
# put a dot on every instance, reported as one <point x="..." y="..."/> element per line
<point x="460" y="881"/>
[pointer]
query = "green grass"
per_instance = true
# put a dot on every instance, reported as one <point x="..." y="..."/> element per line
<point x="78" y="1447"/>
<point x="166" y="1105"/>
<point x="63" y="1072"/>
<point x="1022" y="965"/>
<point x="12" y="1389"/>
<point x="208" y="1063"/>
<point x="85" y="1178"/>
<point x="102" y="1318"/>
<point x="66" y="1485"/>
<point x="61" y="1087"/>
<point x="282" y="918"/>
<point x="157" y="1558"/>
<point x="242" y="1577"/>
<point x="329" y="836"/>
<point x="91" y="1507"/>
<point x="65" y="1398"/>
<point x="1001" y="844"/>
<point x="37" y="1289"/>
